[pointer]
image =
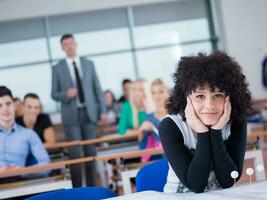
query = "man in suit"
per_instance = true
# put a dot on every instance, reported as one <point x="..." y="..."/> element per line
<point x="75" y="84"/>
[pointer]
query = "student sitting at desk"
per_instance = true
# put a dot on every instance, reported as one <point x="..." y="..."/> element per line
<point x="112" y="107"/>
<point x="33" y="118"/>
<point x="16" y="142"/>
<point x="150" y="137"/>
<point x="204" y="137"/>
<point x="133" y="112"/>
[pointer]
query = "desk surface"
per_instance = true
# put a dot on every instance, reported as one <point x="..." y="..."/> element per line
<point x="109" y="138"/>
<point x="252" y="192"/>
<point x="60" y="164"/>
<point x="23" y="188"/>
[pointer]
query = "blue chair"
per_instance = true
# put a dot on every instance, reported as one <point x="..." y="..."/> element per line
<point x="152" y="176"/>
<point x="82" y="193"/>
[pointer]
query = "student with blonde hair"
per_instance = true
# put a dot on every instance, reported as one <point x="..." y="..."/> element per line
<point x="150" y="137"/>
<point x="133" y="112"/>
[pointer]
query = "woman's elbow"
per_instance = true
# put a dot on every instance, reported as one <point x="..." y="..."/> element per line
<point x="197" y="188"/>
<point x="227" y="184"/>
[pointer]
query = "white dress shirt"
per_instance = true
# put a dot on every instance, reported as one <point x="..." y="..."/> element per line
<point x="72" y="74"/>
<point x="71" y="68"/>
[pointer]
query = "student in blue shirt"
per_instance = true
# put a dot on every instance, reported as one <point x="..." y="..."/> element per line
<point x="16" y="142"/>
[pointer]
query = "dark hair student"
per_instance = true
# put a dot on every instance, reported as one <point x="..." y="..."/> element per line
<point x="204" y="137"/>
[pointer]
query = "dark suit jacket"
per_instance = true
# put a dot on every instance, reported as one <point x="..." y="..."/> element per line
<point x="62" y="81"/>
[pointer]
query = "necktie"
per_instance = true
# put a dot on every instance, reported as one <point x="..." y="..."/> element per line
<point x="79" y="83"/>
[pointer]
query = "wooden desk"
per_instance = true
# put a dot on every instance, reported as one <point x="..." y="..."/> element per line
<point x="23" y="188"/>
<point x="127" y="173"/>
<point x="133" y="154"/>
<point x="49" y="186"/>
<point x="257" y="134"/>
<point x="49" y="166"/>
<point x="104" y="128"/>
<point x="253" y="191"/>
<point x="57" y="165"/>
<point x="110" y="138"/>
<point x="126" y="180"/>
<point x="62" y="145"/>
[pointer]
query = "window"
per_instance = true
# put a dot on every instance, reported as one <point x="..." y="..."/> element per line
<point x="171" y="33"/>
<point x="31" y="78"/>
<point x="146" y="42"/>
<point x="95" y="42"/>
<point x="163" y="61"/>
<point x="25" y="51"/>
<point x="112" y="69"/>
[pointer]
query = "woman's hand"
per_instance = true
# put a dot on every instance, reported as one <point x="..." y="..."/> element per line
<point x="147" y="126"/>
<point x="192" y="120"/>
<point x="140" y="136"/>
<point x="225" y="116"/>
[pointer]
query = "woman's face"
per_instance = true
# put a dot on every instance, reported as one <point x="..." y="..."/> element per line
<point x="208" y="105"/>
<point x="18" y="107"/>
<point x="159" y="94"/>
<point x="108" y="98"/>
<point x="138" y="92"/>
<point x="31" y="108"/>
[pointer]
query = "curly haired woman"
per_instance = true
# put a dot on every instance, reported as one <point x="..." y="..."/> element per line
<point x="204" y="137"/>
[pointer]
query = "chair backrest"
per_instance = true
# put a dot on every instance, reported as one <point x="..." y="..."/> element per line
<point x="83" y="193"/>
<point x="152" y="176"/>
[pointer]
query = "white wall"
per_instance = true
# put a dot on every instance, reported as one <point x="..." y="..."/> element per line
<point x="243" y="23"/>
<point x="19" y="9"/>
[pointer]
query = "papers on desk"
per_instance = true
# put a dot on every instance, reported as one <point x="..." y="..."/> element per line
<point x="255" y="191"/>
